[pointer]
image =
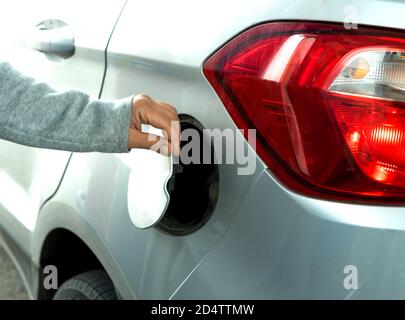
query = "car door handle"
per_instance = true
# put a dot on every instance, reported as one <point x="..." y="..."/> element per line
<point x="52" y="37"/>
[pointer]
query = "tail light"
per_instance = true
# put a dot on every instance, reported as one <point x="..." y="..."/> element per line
<point x="328" y="105"/>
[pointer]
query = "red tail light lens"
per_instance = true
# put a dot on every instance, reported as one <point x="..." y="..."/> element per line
<point x="328" y="105"/>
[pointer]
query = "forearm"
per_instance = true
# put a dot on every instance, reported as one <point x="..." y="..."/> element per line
<point x="34" y="114"/>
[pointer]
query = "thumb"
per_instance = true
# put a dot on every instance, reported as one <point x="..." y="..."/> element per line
<point x="143" y="140"/>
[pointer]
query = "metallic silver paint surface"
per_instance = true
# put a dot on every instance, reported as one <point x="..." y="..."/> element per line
<point x="262" y="241"/>
<point x="28" y="176"/>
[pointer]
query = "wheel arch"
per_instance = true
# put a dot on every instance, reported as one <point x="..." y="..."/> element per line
<point x="60" y="226"/>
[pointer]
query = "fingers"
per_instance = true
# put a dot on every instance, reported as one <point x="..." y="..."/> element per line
<point x="160" y="115"/>
<point x="175" y="138"/>
<point x="169" y="107"/>
<point x="163" y="119"/>
<point x="173" y="135"/>
<point x="142" y="140"/>
<point x="149" y="141"/>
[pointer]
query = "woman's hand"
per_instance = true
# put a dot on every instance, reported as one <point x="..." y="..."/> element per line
<point x="160" y="115"/>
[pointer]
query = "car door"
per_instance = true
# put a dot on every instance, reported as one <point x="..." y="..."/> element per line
<point x="63" y="43"/>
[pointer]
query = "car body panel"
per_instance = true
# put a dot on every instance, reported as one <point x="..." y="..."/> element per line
<point x="29" y="176"/>
<point x="262" y="241"/>
<point x="299" y="252"/>
<point x="185" y="33"/>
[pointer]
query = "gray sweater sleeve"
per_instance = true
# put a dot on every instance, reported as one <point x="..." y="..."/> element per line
<point x="34" y="114"/>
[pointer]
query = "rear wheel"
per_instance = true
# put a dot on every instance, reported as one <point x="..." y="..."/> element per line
<point x="90" y="285"/>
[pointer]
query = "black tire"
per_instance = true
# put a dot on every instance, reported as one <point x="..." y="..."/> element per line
<point x="90" y="285"/>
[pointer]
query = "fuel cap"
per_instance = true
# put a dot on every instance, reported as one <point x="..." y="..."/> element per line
<point x="148" y="194"/>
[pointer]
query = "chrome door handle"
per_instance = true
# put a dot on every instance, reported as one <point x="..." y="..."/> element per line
<point x="52" y="37"/>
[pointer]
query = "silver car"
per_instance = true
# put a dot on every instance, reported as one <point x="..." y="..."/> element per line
<point x="320" y="215"/>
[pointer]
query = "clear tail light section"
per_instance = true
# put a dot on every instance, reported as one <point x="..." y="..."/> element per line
<point x="328" y="105"/>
